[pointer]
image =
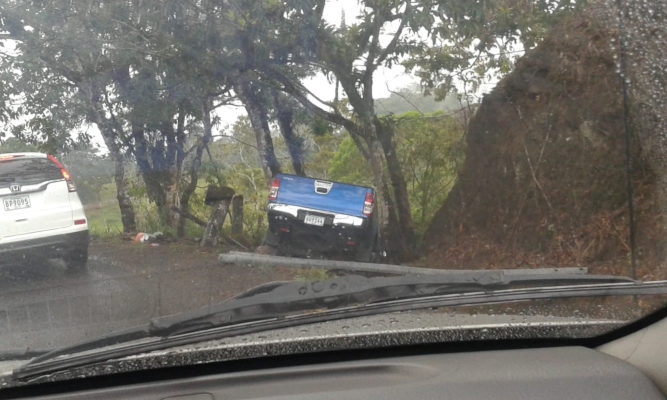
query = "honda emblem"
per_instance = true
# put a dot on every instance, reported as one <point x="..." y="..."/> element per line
<point x="15" y="188"/>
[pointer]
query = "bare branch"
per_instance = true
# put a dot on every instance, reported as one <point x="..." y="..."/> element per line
<point x="294" y="90"/>
<point x="404" y="98"/>
<point x="394" y="41"/>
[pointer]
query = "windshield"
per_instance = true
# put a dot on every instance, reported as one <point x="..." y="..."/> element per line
<point x="27" y="171"/>
<point x="208" y="152"/>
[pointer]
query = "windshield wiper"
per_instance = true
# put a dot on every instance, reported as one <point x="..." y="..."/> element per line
<point x="274" y="305"/>
<point x="21" y="354"/>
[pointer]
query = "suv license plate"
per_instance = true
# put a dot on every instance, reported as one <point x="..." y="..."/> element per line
<point x="314" y="220"/>
<point x="16" y="202"/>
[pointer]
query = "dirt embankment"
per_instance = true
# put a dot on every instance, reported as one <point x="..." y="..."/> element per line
<point x="545" y="177"/>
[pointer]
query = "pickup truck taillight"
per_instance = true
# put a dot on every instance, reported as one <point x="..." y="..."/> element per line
<point x="368" y="204"/>
<point x="273" y="191"/>
<point x="68" y="178"/>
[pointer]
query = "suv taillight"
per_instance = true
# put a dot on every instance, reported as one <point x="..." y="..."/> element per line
<point x="68" y="178"/>
<point x="368" y="204"/>
<point x="273" y="191"/>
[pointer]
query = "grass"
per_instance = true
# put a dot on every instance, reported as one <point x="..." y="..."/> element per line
<point x="312" y="274"/>
<point x="104" y="217"/>
<point x="104" y="221"/>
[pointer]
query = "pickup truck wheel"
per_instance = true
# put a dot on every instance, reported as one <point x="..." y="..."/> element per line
<point x="365" y="255"/>
<point x="271" y="239"/>
<point x="370" y="255"/>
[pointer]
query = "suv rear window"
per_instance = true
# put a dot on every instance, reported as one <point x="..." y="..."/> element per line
<point x="27" y="171"/>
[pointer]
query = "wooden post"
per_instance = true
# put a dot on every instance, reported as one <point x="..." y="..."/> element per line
<point x="219" y="198"/>
<point x="214" y="226"/>
<point x="237" y="215"/>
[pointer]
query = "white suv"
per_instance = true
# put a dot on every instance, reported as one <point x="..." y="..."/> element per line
<point x="41" y="214"/>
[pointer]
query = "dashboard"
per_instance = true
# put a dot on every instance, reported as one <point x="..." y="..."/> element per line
<point x="543" y="373"/>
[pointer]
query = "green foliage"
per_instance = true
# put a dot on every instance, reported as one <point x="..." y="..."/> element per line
<point x="431" y="151"/>
<point x="14" y="145"/>
<point x="104" y="215"/>
<point x="312" y="274"/>
<point x="472" y="42"/>
<point x="411" y="99"/>
<point x="90" y="171"/>
<point x="348" y="165"/>
<point x="135" y="69"/>
<point x="319" y="152"/>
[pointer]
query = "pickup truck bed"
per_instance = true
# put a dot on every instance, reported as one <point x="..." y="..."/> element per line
<point x="316" y="218"/>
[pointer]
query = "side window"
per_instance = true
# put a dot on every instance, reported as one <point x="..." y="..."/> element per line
<point x="28" y="171"/>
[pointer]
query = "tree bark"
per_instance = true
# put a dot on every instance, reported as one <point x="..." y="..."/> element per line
<point x="172" y="175"/>
<point x="213" y="228"/>
<point x="142" y="156"/>
<point x="110" y="134"/>
<point x="237" y="215"/>
<point x="285" y="116"/>
<point x="207" y="107"/>
<point x="127" y="215"/>
<point x="260" y="125"/>
<point x="400" y="187"/>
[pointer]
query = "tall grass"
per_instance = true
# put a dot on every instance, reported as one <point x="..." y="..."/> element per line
<point x="104" y="219"/>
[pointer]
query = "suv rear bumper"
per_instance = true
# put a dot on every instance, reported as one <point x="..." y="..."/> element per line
<point x="47" y="247"/>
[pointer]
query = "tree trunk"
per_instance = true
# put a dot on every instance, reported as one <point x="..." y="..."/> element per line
<point x="399" y="185"/>
<point x="237" y="215"/>
<point x="377" y="168"/>
<point x="284" y="115"/>
<point x="109" y="135"/>
<point x="127" y="215"/>
<point x="207" y="106"/>
<point x="172" y="175"/>
<point x="142" y="156"/>
<point x="214" y="226"/>
<point x="259" y="122"/>
<point x="392" y="237"/>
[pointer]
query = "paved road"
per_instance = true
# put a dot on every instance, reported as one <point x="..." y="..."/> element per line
<point x="45" y="306"/>
<point x="42" y="305"/>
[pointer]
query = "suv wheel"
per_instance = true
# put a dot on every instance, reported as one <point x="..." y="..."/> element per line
<point x="77" y="260"/>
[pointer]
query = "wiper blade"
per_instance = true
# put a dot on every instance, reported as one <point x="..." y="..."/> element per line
<point x="21" y="354"/>
<point x="40" y="365"/>
<point x="280" y="299"/>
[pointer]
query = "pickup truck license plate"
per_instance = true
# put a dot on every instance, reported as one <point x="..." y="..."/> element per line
<point x="16" y="202"/>
<point x="314" y="220"/>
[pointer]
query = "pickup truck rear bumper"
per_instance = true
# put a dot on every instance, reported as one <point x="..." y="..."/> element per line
<point x="296" y="212"/>
<point x="338" y="234"/>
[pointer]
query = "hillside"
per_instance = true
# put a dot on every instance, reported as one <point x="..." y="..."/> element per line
<point x="411" y="99"/>
<point x="544" y="183"/>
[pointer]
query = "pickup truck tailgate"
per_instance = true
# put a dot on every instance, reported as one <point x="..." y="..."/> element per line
<point x="332" y="197"/>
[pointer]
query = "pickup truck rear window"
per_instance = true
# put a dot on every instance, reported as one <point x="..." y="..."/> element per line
<point x="27" y="171"/>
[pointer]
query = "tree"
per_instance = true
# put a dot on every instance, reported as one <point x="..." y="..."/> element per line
<point x="90" y="170"/>
<point x="473" y="42"/>
<point x="430" y="151"/>
<point x="14" y="145"/>
<point x="63" y="73"/>
<point x="144" y="75"/>
<point x="351" y="55"/>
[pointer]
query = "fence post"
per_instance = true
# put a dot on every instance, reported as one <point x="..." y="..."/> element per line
<point x="219" y="197"/>
<point x="214" y="226"/>
<point x="237" y="215"/>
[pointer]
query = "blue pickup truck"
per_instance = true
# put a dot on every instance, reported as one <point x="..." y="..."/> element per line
<point x="317" y="218"/>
